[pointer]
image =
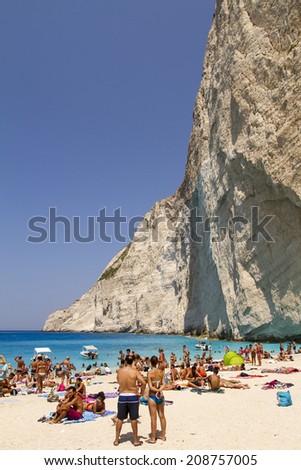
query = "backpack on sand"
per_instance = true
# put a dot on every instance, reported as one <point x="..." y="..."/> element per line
<point x="284" y="398"/>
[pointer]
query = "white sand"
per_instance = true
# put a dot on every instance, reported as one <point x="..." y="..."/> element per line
<point x="237" y="419"/>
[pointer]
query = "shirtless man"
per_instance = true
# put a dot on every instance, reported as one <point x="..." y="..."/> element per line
<point x="215" y="382"/>
<point x="183" y="372"/>
<point x="33" y="367"/>
<point x="71" y="407"/>
<point x="214" y="379"/>
<point x="41" y="368"/>
<point x="80" y="388"/>
<point x="5" y="386"/>
<point x="20" y="367"/>
<point x="122" y="356"/>
<point x="65" y="369"/>
<point x="253" y="355"/>
<point x="129" y="397"/>
<point x="174" y="373"/>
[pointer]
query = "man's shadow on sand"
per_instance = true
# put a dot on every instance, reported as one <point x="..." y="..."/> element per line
<point x="128" y="437"/>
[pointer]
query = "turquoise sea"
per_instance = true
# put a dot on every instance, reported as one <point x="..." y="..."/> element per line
<point x="13" y="343"/>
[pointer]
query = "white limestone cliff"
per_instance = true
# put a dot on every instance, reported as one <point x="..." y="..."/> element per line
<point x="244" y="153"/>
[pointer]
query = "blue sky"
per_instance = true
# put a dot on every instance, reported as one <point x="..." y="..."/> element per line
<point x="96" y="100"/>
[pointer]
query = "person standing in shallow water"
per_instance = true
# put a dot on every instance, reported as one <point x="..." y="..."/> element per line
<point x="155" y="379"/>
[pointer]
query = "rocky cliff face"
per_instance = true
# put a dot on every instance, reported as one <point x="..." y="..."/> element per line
<point x="144" y="288"/>
<point x="236" y="272"/>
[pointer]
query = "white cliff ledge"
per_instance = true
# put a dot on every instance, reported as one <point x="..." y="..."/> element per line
<point x="244" y="152"/>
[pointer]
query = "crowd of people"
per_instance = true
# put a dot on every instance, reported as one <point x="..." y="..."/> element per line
<point x="41" y="373"/>
<point x="139" y="378"/>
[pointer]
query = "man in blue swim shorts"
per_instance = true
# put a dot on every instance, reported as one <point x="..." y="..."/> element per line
<point x="129" y="380"/>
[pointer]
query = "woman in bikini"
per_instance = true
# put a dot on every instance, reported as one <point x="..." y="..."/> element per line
<point x="41" y="369"/>
<point x="162" y="361"/>
<point x="98" y="407"/>
<point x="155" y="379"/>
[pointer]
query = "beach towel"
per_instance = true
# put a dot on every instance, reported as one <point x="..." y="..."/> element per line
<point x="111" y="394"/>
<point x="284" y="398"/>
<point x="88" y="416"/>
<point x="8" y="400"/>
<point x="200" y="391"/>
<point x="46" y="395"/>
<point x="93" y="396"/>
<point x="276" y="384"/>
<point x="281" y="370"/>
<point x="243" y="375"/>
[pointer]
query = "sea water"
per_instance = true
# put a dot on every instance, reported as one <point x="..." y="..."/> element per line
<point x="14" y="343"/>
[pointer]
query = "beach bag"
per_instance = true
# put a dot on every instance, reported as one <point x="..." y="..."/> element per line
<point x="284" y="398"/>
<point x="61" y="388"/>
<point x="52" y="397"/>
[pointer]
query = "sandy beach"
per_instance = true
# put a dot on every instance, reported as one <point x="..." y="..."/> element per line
<point x="235" y="419"/>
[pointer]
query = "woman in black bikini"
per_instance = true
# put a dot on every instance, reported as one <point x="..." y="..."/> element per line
<point x="155" y="379"/>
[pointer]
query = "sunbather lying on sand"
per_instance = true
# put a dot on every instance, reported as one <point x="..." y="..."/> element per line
<point x="98" y="406"/>
<point x="215" y="382"/>
<point x="281" y="370"/>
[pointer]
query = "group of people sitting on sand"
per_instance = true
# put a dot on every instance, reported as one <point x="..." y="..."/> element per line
<point x="40" y="373"/>
<point x="74" y="403"/>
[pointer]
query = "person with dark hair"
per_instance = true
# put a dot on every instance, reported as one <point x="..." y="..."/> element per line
<point x="155" y="380"/>
<point x="5" y="386"/>
<point x="214" y="379"/>
<point x="294" y="345"/>
<point x="66" y="369"/>
<point x="97" y="407"/>
<point x="80" y="388"/>
<point x="20" y="367"/>
<point x="161" y="360"/>
<point x="215" y="382"/>
<point x="174" y="373"/>
<point x="122" y="356"/>
<point x="253" y="354"/>
<point x="71" y="407"/>
<point x="129" y="380"/>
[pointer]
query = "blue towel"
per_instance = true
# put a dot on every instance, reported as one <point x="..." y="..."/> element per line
<point x="88" y="416"/>
<point x="46" y="395"/>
